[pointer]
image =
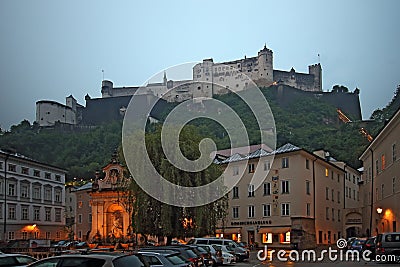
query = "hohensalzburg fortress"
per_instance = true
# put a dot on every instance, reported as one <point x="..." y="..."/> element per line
<point x="211" y="78"/>
<point x="208" y="79"/>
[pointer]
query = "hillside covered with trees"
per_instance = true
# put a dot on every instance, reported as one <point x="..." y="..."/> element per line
<point x="307" y="122"/>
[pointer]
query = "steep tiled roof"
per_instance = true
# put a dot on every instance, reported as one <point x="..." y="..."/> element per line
<point x="259" y="153"/>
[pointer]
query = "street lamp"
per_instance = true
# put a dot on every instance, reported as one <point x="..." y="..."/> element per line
<point x="379" y="210"/>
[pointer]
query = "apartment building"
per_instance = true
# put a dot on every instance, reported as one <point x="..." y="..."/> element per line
<point x="83" y="209"/>
<point x="381" y="178"/>
<point x="286" y="197"/>
<point x="32" y="198"/>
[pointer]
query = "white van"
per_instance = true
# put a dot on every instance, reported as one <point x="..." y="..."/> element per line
<point x="240" y="252"/>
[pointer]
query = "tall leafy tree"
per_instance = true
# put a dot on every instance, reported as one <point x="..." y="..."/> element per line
<point x="156" y="218"/>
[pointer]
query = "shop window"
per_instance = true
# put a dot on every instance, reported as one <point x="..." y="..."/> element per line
<point x="267" y="238"/>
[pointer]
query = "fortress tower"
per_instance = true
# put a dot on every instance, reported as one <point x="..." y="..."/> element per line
<point x="316" y="70"/>
<point x="265" y="67"/>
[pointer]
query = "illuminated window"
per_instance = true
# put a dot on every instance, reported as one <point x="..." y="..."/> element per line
<point x="267" y="238"/>
<point x="383" y="165"/>
<point x="326" y="172"/>
<point x="285" y="238"/>
<point x="235" y="237"/>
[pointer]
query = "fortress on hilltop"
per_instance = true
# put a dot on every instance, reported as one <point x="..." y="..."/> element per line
<point x="208" y="79"/>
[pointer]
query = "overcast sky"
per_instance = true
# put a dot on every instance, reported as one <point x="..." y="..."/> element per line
<point x="51" y="49"/>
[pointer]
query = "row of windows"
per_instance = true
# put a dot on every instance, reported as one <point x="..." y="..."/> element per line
<point x="380" y="163"/>
<point x="284" y="164"/>
<point x="35" y="191"/>
<point x="383" y="194"/>
<point x="80" y="218"/>
<point x="352" y="193"/>
<point x="330" y="194"/>
<point x="35" y="216"/>
<point x="35" y="173"/>
<point x="266" y="210"/>
<point x="35" y="235"/>
<point x="332" y="214"/>
<point x="355" y="179"/>
<point x="267" y="188"/>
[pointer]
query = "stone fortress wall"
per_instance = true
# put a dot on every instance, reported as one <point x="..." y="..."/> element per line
<point x="208" y="79"/>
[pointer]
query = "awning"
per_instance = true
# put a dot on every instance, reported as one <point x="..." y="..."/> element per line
<point x="235" y="230"/>
<point x="274" y="230"/>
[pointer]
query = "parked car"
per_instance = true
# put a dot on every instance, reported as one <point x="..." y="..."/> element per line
<point x="228" y="256"/>
<point x="216" y="254"/>
<point x="15" y="260"/>
<point x="205" y="254"/>
<point x="388" y="244"/>
<point x="186" y="251"/>
<point x="243" y="244"/>
<point x="239" y="251"/>
<point x="357" y="244"/>
<point x="166" y="258"/>
<point x="96" y="259"/>
<point x="350" y="241"/>
<point x="370" y="246"/>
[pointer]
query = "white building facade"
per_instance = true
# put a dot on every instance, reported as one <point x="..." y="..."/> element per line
<point x="32" y="199"/>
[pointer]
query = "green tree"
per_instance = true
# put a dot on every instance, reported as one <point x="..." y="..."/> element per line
<point x="156" y="218"/>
